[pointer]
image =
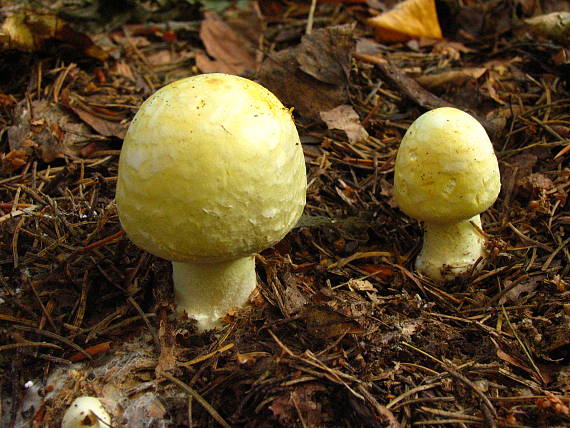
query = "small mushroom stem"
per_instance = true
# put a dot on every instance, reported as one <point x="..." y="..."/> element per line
<point x="207" y="291"/>
<point x="450" y="249"/>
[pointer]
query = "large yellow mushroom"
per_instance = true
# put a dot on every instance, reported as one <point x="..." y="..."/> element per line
<point x="211" y="172"/>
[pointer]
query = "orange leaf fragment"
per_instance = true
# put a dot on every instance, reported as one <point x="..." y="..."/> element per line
<point x="378" y="271"/>
<point x="554" y="403"/>
<point x="14" y="159"/>
<point x="93" y="350"/>
<point x="7" y="100"/>
<point x="408" y="20"/>
<point x="562" y="152"/>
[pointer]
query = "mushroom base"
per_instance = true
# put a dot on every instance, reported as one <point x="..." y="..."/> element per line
<point x="207" y="291"/>
<point x="450" y="250"/>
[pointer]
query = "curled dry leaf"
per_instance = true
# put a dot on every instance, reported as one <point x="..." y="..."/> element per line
<point x="345" y="119"/>
<point x="408" y="20"/>
<point x="387" y="190"/>
<point x="167" y="358"/>
<point x="13" y="160"/>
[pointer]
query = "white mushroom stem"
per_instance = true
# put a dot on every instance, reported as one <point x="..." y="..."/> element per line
<point x="207" y="291"/>
<point x="450" y="249"/>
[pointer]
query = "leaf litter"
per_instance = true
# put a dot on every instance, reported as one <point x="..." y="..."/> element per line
<point x="341" y="331"/>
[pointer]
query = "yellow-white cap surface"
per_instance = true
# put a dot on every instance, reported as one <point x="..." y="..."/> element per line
<point x="446" y="169"/>
<point x="211" y="169"/>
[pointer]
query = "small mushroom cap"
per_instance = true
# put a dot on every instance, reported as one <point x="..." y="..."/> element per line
<point x="211" y="169"/>
<point x="86" y="412"/>
<point x="446" y="170"/>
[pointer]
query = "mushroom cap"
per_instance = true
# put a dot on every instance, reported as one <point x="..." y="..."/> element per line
<point x="211" y="169"/>
<point x="446" y="169"/>
<point x="86" y="412"/>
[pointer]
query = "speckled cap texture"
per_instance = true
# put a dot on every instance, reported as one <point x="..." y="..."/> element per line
<point x="446" y="169"/>
<point x="211" y="169"/>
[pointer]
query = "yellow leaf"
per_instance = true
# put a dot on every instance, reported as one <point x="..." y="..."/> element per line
<point x="17" y="34"/>
<point x="27" y="31"/>
<point x="408" y="20"/>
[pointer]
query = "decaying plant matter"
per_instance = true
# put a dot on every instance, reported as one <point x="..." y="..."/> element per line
<point x="342" y="332"/>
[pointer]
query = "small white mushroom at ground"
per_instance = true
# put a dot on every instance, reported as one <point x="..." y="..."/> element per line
<point x="446" y="174"/>
<point x="211" y="172"/>
<point x="86" y="412"/>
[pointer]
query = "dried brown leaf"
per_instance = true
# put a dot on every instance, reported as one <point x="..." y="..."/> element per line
<point x="513" y="294"/>
<point x="299" y="402"/>
<point x="106" y="127"/>
<point x="510" y="359"/>
<point x="225" y="47"/>
<point x="293" y="300"/>
<point x="451" y="50"/>
<point x="345" y="119"/>
<point x="46" y="128"/>
<point x="325" y="323"/>
<point x="453" y="77"/>
<point x="167" y="358"/>
<point x="161" y="57"/>
<point x="312" y="76"/>
<point x="558" y="334"/>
